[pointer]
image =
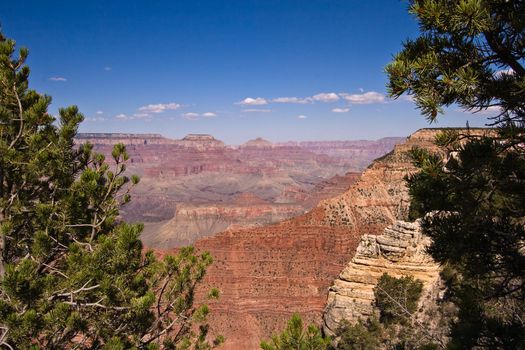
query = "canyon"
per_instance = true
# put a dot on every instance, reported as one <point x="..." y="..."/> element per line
<point x="267" y="273"/>
<point x="198" y="186"/>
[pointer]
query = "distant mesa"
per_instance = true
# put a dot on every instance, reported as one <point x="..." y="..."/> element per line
<point x="114" y="138"/>
<point x="190" y="140"/>
<point x="201" y="141"/>
<point x="199" y="137"/>
<point x="111" y="135"/>
<point x="258" y="143"/>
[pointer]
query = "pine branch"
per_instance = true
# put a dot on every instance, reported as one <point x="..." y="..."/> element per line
<point x="21" y="111"/>
<point x="97" y="304"/>
<point x="404" y="310"/>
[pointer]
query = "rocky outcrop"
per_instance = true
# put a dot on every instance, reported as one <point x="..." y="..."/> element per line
<point x="267" y="273"/>
<point x="193" y="221"/>
<point x="381" y="196"/>
<point x="201" y="141"/>
<point x="399" y="251"/>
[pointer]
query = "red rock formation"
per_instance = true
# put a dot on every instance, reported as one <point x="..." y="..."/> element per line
<point x="265" y="274"/>
<point x="205" y="177"/>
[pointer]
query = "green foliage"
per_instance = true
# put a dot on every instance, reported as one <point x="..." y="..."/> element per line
<point x="360" y="336"/>
<point x="398" y="326"/>
<point x="464" y="56"/>
<point x="296" y="337"/>
<point x="477" y="229"/>
<point x="397" y="298"/>
<point x="71" y="274"/>
<point x="472" y="53"/>
<point x="373" y="334"/>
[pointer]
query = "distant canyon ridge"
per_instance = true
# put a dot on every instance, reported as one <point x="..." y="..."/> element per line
<point x="198" y="186"/>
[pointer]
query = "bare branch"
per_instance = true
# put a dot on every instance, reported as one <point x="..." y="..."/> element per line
<point x="412" y="317"/>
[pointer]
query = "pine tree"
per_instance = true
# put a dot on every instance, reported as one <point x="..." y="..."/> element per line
<point x="296" y="337"/>
<point x="472" y="53"/>
<point x="72" y="275"/>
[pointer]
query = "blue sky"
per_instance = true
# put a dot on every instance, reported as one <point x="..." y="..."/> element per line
<point x="239" y="69"/>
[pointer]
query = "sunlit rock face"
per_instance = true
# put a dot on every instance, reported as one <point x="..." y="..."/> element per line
<point x="399" y="251"/>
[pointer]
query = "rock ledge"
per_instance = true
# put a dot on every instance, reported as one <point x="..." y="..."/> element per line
<point x="399" y="251"/>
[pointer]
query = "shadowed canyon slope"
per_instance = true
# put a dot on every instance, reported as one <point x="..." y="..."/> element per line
<point x="265" y="274"/>
<point x="198" y="186"/>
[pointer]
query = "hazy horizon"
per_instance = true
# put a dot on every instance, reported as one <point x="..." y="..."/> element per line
<point x="85" y="134"/>
<point x="280" y="70"/>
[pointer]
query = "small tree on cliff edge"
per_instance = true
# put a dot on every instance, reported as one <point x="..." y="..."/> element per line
<point x="296" y="337"/>
<point x="472" y="53"/>
<point x="71" y="276"/>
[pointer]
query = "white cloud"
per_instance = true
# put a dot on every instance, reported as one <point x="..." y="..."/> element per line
<point x="301" y="117"/>
<point x="326" y="97"/>
<point x="256" y="110"/>
<point x="489" y="111"/>
<point x="191" y="116"/>
<point x="408" y="98"/>
<point x="99" y="112"/>
<point x="107" y="68"/>
<point x="95" y="119"/>
<point x="159" y="108"/>
<point x="197" y="116"/>
<point x="122" y="116"/>
<point x="502" y="72"/>
<point x="340" y="110"/>
<point x="58" y="79"/>
<point x="141" y="115"/>
<point x="493" y="109"/>
<point x="248" y="101"/>
<point x="361" y="90"/>
<point x="364" y="98"/>
<point x="292" y="100"/>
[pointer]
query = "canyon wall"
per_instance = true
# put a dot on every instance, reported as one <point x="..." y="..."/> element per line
<point x="267" y="273"/>
<point x="360" y="152"/>
<point x="197" y="186"/>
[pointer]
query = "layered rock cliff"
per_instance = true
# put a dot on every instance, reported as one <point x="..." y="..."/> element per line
<point x="190" y="187"/>
<point x="266" y="274"/>
<point x="399" y="251"/>
<point x="360" y="152"/>
<point x="381" y="195"/>
<point x="192" y="222"/>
